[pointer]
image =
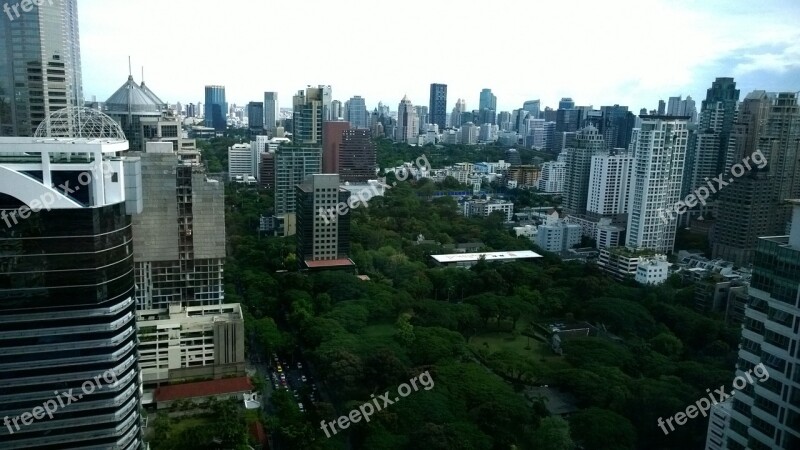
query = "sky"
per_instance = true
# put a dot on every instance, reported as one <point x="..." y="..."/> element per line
<point x="627" y="52"/>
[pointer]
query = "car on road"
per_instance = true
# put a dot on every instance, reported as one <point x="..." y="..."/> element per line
<point x="302" y="409"/>
<point x="280" y="368"/>
<point x="303" y="378"/>
<point x="300" y="365"/>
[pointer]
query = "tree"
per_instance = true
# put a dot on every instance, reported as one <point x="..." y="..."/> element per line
<point x="553" y="434"/>
<point x="602" y="429"/>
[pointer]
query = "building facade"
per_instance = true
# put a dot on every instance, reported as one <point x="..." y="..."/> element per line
<point x="323" y="228"/>
<point x="271" y="111"/>
<point x="216" y="108"/>
<point x="438" y="105"/>
<point x="357" y="157"/>
<point x="407" y="122"/>
<point x="356" y="113"/>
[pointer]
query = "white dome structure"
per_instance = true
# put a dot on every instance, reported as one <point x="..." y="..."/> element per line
<point x="80" y="123"/>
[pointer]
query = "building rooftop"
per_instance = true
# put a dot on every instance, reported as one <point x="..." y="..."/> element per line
<point x="203" y="389"/>
<point x="492" y="256"/>
<point x="328" y="263"/>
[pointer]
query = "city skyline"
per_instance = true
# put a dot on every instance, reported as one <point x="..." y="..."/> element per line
<point x="708" y="38"/>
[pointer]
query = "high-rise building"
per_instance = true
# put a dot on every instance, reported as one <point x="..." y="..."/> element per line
<point x="487" y="100"/>
<point x="292" y="166"/>
<point x="337" y="112"/>
<point x="266" y="170"/>
<point x="458" y="110"/>
<point x="255" y="116"/>
<point x="578" y="157"/>
<point x="356" y="113"/>
<point x="662" y="108"/>
<point x="752" y="206"/>
<point x="242" y="162"/>
<point x="326" y="96"/>
<point x="357" y="156"/>
<point x="271" y="111"/>
<point x="323" y="230"/>
<point x="679" y="107"/>
<point x="609" y="183"/>
<point x="533" y="107"/>
<point x="407" y="122"/>
<point x="308" y="116"/>
<point x="67" y="319"/>
<point x="656" y="178"/>
<point x="566" y="103"/>
<point x="216" y="108"/>
<point x="332" y="136"/>
<point x="422" y="117"/>
<point x="40" y="65"/>
<point x="438" y="105"/>
<point x="763" y="413"/>
<point x="616" y="124"/>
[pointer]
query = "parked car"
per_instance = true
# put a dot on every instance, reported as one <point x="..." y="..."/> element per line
<point x="299" y="365"/>
<point x="303" y="378"/>
<point x="300" y="405"/>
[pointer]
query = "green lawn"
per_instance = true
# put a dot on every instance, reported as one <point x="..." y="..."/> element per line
<point x="539" y="352"/>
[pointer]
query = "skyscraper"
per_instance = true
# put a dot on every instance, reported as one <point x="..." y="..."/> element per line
<point x="438" y="105"/>
<point x="588" y="142"/>
<point x="752" y="206"/>
<point x="255" y="116"/>
<point x="40" y="65"/>
<point x="356" y="113"/>
<point x="566" y="103"/>
<point x="533" y="107"/>
<point x="307" y="117"/>
<point x="67" y="319"/>
<point x="763" y="413"/>
<point x="216" y="108"/>
<point x="656" y="179"/>
<point x="487" y="100"/>
<point x="326" y="96"/>
<point x="271" y="111"/>
<point x="292" y="166"/>
<point x="458" y="110"/>
<point x="407" y="122"/>
<point x="678" y="107"/>
<point x="336" y="110"/>
<point x="332" y="136"/>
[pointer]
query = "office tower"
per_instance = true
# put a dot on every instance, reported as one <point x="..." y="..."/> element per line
<point x="566" y="103"/>
<point x="717" y="114"/>
<point x="292" y="166"/>
<point x="67" y="319"/>
<point x="487" y="100"/>
<point x="407" y="122"/>
<point x="662" y="108"/>
<point x="130" y="105"/>
<point x="568" y="120"/>
<point x="487" y="115"/>
<point x="752" y="206"/>
<point x="656" y="180"/>
<point x="458" y="110"/>
<point x="679" y="107"/>
<point x="326" y="95"/>
<point x="337" y="112"/>
<point x="533" y="107"/>
<point x="504" y="121"/>
<point x="578" y="157"/>
<point x="616" y="124"/>
<point x="191" y="110"/>
<point x="323" y="231"/>
<point x="255" y="116"/>
<point x="763" y="413"/>
<point x="438" y="105"/>
<point x="356" y="113"/>
<point x="216" y="109"/>
<point x="40" y="65"/>
<point x="308" y="117"/>
<point x="422" y="116"/>
<point x="535" y="133"/>
<point x="266" y="170"/>
<point x="357" y="156"/>
<point x="241" y="162"/>
<point x="332" y="136"/>
<point x="469" y="134"/>
<point x="512" y="157"/>
<point x="549" y="136"/>
<point x="609" y="183"/>
<point x="271" y="111"/>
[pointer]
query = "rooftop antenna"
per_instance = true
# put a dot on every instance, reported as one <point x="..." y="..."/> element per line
<point x="130" y="72"/>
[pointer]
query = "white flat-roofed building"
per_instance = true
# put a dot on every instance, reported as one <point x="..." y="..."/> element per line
<point x="652" y="271"/>
<point x="470" y="259"/>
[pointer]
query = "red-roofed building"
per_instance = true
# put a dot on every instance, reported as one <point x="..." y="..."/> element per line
<point x="200" y="392"/>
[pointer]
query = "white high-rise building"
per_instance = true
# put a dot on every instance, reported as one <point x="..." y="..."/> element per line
<point x="657" y="175"/>
<point x="609" y="183"/>
<point x="241" y="162"/>
<point x="455" y="116"/>
<point x="407" y="122"/>
<point x="553" y="175"/>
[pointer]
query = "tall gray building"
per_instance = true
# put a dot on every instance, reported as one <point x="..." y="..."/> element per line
<point x="323" y="234"/>
<point x="356" y="113"/>
<point x="179" y="239"/>
<point x="308" y="116"/>
<point x="533" y="107"/>
<point x="438" y="105"/>
<point x="67" y="315"/>
<point x="271" y="111"/>
<point x="292" y="166"/>
<point x="40" y="65"/>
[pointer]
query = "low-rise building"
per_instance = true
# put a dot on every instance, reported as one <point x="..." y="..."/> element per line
<point x="653" y="271"/>
<point x="484" y="208"/>
<point x="558" y="236"/>
<point x="467" y="260"/>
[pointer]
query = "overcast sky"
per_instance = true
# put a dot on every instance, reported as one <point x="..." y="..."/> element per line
<point x="630" y="52"/>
